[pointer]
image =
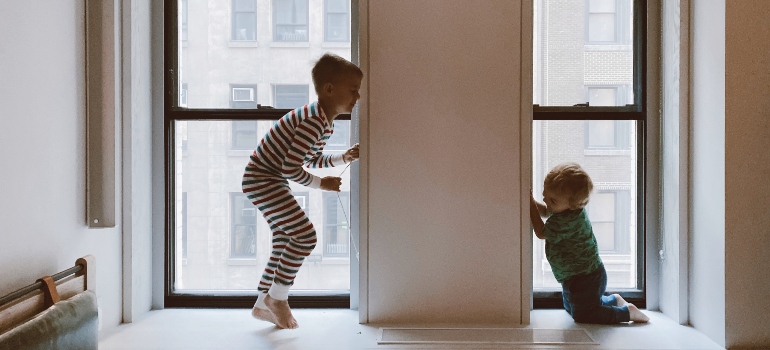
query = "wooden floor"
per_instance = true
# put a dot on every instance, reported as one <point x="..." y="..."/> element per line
<point x="339" y="329"/>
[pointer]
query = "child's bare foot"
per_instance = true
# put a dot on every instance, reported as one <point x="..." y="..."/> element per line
<point x="620" y="301"/>
<point x="636" y="315"/>
<point x="264" y="315"/>
<point x="282" y="312"/>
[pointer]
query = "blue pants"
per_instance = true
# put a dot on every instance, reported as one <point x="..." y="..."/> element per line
<point x="584" y="298"/>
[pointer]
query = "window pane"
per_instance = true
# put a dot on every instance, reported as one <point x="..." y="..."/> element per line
<point x="601" y="133"/>
<point x="601" y="27"/>
<point x="291" y="18"/>
<point x="228" y="240"/>
<point x="337" y="25"/>
<point x="555" y="142"/>
<point x="245" y="26"/>
<point x="605" y="235"/>
<point x="601" y="5"/>
<point x="565" y="57"/>
<point x="340" y="139"/>
<point x="291" y="96"/>
<point x="602" y="96"/>
<point x="245" y="5"/>
<point x="213" y="59"/>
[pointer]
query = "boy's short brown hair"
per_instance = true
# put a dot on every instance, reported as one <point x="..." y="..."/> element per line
<point x="330" y="68"/>
<point x="570" y="180"/>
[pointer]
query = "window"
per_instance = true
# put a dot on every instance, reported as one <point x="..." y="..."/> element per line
<point x="336" y="240"/>
<point x="183" y="96"/>
<point x="184" y="225"/>
<point x="291" y="96"/>
<point x="336" y="21"/>
<point x="290" y="18"/>
<point x="244" y="134"/>
<point x="608" y="135"/>
<point x="609" y="212"/>
<point x="340" y="140"/>
<point x="243" y="227"/>
<point x="590" y="109"/>
<point x="210" y="139"/>
<point x="303" y="199"/>
<point x="607" y="22"/>
<point x="243" y="96"/>
<point x="244" y="20"/>
<point x="184" y="20"/>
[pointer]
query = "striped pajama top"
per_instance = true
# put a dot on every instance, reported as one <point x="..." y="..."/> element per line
<point x="294" y="141"/>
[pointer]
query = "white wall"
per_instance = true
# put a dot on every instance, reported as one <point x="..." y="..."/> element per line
<point x="674" y="135"/>
<point x="747" y="190"/>
<point x="441" y="161"/>
<point x="707" y="169"/>
<point x="137" y="158"/>
<point x="42" y="181"/>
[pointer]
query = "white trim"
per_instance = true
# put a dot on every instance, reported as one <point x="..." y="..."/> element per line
<point x="525" y="149"/>
<point x="359" y="205"/>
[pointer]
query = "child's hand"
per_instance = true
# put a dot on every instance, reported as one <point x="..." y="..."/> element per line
<point x="331" y="183"/>
<point x="351" y="154"/>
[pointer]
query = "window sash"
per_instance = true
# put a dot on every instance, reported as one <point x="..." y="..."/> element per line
<point x="174" y="112"/>
<point x="244" y="21"/>
<point x="636" y="111"/>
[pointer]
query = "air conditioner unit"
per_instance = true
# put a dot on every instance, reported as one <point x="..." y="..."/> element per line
<point x="248" y="212"/>
<point x="243" y="95"/>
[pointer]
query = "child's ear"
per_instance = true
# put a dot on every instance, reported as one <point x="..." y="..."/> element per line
<point x="328" y="88"/>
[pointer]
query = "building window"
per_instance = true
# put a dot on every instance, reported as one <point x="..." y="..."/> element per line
<point x="243" y="96"/>
<point x="183" y="26"/>
<point x="610" y="213"/>
<point x="244" y="132"/>
<point x="336" y="21"/>
<point x="243" y="227"/>
<point x="608" y="134"/>
<point x="244" y="20"/>
<point x="303" y="199"/>
<point x="290" y="18"/>
<point x="607" y="22"/>
<point x="184" y="225"/>
<point x="291" y="96"/>
<point x="336" y="237"/>
<point x="183" y="95"/>
<point x="340" y="140"/>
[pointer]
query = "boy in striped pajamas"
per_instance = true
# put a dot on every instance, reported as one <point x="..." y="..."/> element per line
<point x="297" y="140"/>
<point x="572" y="251"/>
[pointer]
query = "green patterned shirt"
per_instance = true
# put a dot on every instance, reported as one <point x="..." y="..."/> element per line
<point x="570" y="245"/>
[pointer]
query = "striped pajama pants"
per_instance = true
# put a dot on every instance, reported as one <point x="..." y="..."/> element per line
<point x="294" y="236"/>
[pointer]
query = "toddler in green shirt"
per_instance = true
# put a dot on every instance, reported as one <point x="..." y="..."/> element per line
<point x="571" y="249"/>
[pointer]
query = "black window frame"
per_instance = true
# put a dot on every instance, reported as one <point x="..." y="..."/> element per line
<point x="636" y="112"/>
<point x="172" y="113"/>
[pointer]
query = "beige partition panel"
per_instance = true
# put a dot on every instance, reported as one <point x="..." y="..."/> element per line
<point x="442" y="168"/>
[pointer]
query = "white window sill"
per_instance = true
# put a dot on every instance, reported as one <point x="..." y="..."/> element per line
<point x="238" y="43"/>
